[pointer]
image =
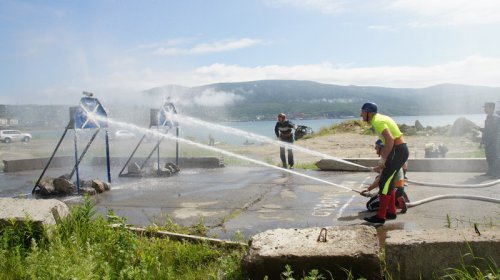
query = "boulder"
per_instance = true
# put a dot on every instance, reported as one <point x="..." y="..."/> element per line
<point x="98" y="186"/>
<point x="461" y="127"/>
<point x="107" y="186"/>
<point x="419" y="126"/>
<point x="87" y="190"/>
<point x="64" y="186"/>
<point x="174" y="168"/>
<point x="165" y="172"/>
<point x="46" y="187"/>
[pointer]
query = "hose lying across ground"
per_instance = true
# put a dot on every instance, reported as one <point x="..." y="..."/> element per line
<point x="453" y="196"/>
<point x="483" y="185"/>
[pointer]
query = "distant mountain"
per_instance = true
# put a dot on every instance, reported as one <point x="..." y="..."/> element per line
<point x="263" y="100"/>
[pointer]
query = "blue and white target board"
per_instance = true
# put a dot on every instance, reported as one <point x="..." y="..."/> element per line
<point x="166" y="116"/>
<point x="90" y="114"/>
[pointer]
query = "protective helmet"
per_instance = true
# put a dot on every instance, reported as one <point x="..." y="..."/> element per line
<point x="281" y="115"/>
<point x="369" y="107"/>
<point x="379" y="143"/>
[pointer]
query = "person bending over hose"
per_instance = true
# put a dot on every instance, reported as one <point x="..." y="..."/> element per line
<point x="283" y="130"/>
<point x="401" y="197"/>
<point x="392" y="157"/>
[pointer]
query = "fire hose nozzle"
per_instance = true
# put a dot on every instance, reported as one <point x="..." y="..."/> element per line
<point x="366" y="194"/>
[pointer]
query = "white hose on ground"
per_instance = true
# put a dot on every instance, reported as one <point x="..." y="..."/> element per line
<point x="453" y="196"/>
<point x="483" y="185"/>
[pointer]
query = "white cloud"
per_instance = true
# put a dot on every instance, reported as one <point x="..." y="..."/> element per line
<point x="214" y="47"/>
<point x="126" y="87"/>
<point x="449" y="12"/>
<point x="474" y="70"/>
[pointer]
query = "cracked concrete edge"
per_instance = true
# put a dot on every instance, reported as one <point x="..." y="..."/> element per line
<point x="427" y="253"/>
<point x="42" y="212"/>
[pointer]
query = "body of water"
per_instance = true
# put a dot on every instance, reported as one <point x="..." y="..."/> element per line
<point x="266" y="128"/>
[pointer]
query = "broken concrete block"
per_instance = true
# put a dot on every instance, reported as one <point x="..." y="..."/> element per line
<point x="427" y="253"/>
<point x="40" y="211"/>
<point x="353" y="248"/>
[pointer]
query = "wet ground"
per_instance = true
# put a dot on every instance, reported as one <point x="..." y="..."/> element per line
<point x="254" y="199"/>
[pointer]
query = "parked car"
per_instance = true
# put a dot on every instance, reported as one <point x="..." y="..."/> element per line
<point x="10" y="135"/>
<point x="124" y="134"/>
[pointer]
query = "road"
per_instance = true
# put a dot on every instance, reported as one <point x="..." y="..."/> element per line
<point x="249" y="200"/>
<point x="246" y="200"/>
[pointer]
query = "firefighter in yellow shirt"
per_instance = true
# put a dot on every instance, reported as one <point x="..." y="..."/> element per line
<point x="392" y="157"/>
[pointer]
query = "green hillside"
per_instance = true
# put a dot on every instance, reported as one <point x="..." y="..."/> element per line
<point x="305" y="99"/>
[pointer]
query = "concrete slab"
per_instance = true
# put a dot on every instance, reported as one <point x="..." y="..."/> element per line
<point x="16" y="165"/>
<point x="42" y="212"/>
<point x="425" y="254"/>
<point x="414" y="165"/>
<point x="330" y="250"/>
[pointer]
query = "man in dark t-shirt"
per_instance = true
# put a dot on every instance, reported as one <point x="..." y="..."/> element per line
<point x="284" y="131"/>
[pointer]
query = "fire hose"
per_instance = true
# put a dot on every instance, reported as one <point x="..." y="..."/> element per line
<point x="450" y="196"/>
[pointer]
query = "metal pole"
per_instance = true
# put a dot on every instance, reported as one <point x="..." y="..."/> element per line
<point x="108" y="164"/>
<point x="130" y="157"/>
<point x="158" y="154"/>
<point x="51" y="157"/>
<point x="177" y="146"/>
<point x="83" y="154"/>
<point x="76" y="165"/>
<point x="150" y="154"/>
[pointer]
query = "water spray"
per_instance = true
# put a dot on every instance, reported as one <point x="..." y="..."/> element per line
<point x="189" y="142"/>
<point x="260" y="138"/>
<point x="256" y="136"/>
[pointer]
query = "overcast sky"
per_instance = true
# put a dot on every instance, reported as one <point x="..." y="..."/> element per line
<point x="51" y="51"/>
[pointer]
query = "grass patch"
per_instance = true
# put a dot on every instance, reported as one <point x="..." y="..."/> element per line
<point x="83" y="246"/>
<point x="306" y="166"/>
<point x="489" y="270"/>
<point x="355" y="126"/>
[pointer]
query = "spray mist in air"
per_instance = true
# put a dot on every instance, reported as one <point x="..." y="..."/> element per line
<point x="192" y="143"/>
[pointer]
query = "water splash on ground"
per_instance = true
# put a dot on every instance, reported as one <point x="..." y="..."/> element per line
<point x="224" y="152"/>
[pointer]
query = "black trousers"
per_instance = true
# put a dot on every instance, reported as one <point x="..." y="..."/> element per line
<point x="492" y="158"/>
<point x="397" y="157"/>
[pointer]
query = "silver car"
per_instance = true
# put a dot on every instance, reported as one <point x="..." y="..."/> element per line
<point x="9" y="135"/>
